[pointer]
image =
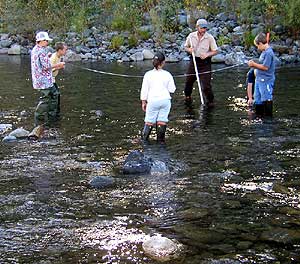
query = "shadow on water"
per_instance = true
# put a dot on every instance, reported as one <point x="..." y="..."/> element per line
<point x="225" y="186"/>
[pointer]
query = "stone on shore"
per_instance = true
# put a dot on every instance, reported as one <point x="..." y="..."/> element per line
<point x="138" y="56"/>
<point x="72" y="56"/>
<point x="219" y="58"/>
<point x="4" y="128"/>
<point x="14" y="50"/>
<point x="8" y="139"/>
<point x="148" y="54"/>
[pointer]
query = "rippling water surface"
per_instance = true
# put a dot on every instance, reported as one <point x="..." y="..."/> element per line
<point x="231" y="194"/>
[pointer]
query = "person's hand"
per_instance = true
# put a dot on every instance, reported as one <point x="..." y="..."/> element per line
<point x="250" y="101"/>
<point x="251" y="63"/>
<point x="61" y="65"/>
<point x="144" y="106"/>
<point x="203" y="56"/>
<point x="190" y="50"/>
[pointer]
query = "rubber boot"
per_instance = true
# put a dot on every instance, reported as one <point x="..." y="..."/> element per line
<point x="268" y="107"/>
<point x="259" y="110"/>
<point x="146" y="132"/>
<point x="161" y="132"/>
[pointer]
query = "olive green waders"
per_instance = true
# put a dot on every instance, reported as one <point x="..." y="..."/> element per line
<point x="46" y="110"/>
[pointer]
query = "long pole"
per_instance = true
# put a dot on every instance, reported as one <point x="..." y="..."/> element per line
<point x="197" y="74"/>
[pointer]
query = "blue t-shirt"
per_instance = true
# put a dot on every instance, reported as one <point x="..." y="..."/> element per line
<point x="267" y="58"/>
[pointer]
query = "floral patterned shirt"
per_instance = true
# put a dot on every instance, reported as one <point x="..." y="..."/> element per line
<point x="41" y="68"/>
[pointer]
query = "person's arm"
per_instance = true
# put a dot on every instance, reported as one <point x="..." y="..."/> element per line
<point x="187" y="45"/>
<point x="171" y="85"/>
<point x="144" y="93"/>
<point x="213" y="50"/>
<point x="258" y="66"/>
<point x="250" y="93"/>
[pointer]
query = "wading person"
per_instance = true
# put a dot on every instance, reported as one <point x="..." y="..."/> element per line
<point x="265" y="77"/>
<point x="156" y="100"/>
<point x="204" y="47"/>
<point x="56" y="57"/>
<point x="42" y="80"/>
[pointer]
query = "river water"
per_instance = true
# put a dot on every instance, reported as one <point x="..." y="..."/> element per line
<point x="231" y="194"/>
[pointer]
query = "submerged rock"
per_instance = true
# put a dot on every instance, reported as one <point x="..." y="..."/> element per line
<point x="100" y="182"/>
<point x="9" y="139"/>
<point x="159" y="168"/>
<point x="161" y="248"/>
<point x="19" y="133"/>
<point x="137" y="163"/>
<point x="221" y="261"/>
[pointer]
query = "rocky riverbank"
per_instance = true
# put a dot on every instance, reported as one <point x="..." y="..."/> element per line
<point x="94" y="44"/>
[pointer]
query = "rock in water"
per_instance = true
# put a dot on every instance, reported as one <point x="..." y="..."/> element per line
<point x="36" y="133"/>
<point x="19" y="133"/>
<point x="8" y="139"/>
<point x="161" y="248"/>
<point x="100" y="182"/>
<point x="4" y="128"/>
<point x="159" y="168"/>
<point x="137" y="163"/>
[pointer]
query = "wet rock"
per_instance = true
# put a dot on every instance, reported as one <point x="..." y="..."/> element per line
<point x="137" y="163"/>
<point x="100" y="182"/>
<point x="193" y="213"/>
<point x="282" y="235"/>
<point x="19" y="133"/>
<point x="138" y="56"/>
<point x="221" y="261"/>
<point x="172" y="58"/>
<point x="9" y="139"/>
<point x="125" y="59"/>
<point x="162" y="248"/>
<point x="159" y="168"/>
<point x="36" y="133"/>
<point x="243" y="245"/>
<point x="14" y="50"/>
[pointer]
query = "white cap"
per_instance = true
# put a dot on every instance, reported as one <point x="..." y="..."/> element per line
<point x="202" y="23"/>
<point x="42" y="36"/>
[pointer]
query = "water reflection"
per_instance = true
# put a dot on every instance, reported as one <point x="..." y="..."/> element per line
<point x="225" y="186"/>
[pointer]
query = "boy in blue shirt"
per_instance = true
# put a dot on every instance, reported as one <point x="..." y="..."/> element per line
<point x="265" y="76"/>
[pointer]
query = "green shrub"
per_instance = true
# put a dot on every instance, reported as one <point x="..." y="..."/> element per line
<point x="117" y="42"/>
<point x="144" y="35"/>
<point x="132" y="41"/>
<point x="248" y="39"/>
<point x="223" y="40"/>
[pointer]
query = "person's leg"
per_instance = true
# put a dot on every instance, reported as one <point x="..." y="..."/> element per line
<point x="205" y="78"/>
<point x="41" y="114"/>
<point x="53" y="103"/>
<point x="267" y="99"/>
<point x="162" y="120"/>
<point x="150" y="119"/>
<point x="258" y="105"/>
<point x="190" y="79"/>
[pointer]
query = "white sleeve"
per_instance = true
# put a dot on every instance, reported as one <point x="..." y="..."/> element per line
<point x="145" y="88"/>
<point x="171" y="84"/>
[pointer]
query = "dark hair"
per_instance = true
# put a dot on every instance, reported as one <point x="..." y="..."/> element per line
<point x="59" y="46"/>
<point x="158" y="59"/>
<point x="260" y="38"/>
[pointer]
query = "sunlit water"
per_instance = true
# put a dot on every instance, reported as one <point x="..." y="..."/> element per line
<point x="232" y="191"/>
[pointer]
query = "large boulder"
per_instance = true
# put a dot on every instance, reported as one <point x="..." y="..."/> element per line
<point x="5" y="43"/>
<point x="161" y="248"/>
<point x="137" y="163"/>
<point x="14" y="50"/>
<point x="138" y="56"/>
<point x="235" y="58"/>
<point x="219" y="58"/>
<point x="148" y="54"/>
<point x="72" y="56"/>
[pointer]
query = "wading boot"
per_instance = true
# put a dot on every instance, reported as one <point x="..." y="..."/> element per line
<point x="146" y="132"/>
<point x="160" y="133"/>
<point x="268" y="105"/>
<point x="259" y="110"/>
